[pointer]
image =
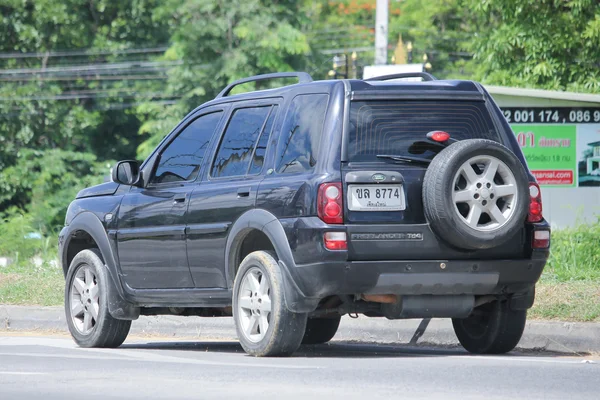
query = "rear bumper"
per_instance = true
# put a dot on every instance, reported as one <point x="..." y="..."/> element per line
<point x="313" y="282"/>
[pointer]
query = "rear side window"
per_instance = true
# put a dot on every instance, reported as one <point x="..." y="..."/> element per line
<point x="236" y="148"/>
<point x="261" y="147"/>
<point x="301" y="134"/>
<point x="400" y="127"/>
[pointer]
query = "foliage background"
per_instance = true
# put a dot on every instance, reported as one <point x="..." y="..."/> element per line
<point x="85" y="83"/>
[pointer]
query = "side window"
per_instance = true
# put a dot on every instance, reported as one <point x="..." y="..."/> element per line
<point x="235" y="150"/>
<point x="261" y="147"/>
<point x="182" y="158"/>
<point x="301" y="133"/>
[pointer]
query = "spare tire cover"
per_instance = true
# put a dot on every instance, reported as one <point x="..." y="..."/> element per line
<point x="476" y="194"/>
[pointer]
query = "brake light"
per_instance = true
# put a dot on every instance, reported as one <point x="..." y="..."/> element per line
<point x="541" y="239"/>
<point x="439" y="136"/>
<point x="329" y="203"/>
<point x="535" y="203"/>
<point x="335" y="241"/>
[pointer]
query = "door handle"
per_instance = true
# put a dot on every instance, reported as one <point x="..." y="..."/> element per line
<point x="243" y="192"/>
<point x="180" y="198"/>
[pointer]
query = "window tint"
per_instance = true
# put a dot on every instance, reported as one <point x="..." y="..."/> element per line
<point x="235" y="151"/>
<point x="400" y="127"/>
<point x="182" y="159"/>
<point x="301" y="133"/>
<point x="261" y="146"/>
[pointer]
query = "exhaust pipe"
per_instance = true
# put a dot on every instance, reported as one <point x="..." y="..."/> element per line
<point x="380" y="298"/>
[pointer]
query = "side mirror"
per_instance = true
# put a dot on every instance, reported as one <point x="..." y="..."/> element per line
<point x="126" y="172"/>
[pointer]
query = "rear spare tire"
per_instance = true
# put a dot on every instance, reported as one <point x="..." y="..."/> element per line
<point x="476" y="194"/>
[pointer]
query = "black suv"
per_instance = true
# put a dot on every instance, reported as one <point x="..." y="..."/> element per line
<point x="290" y="207"/>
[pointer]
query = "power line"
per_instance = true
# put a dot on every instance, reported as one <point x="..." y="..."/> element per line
<point x="85" y="78"/>
<point x="86" y="52"/>
<point x="92" y="67"/>
<point x="111" y="106"/>
<point x="100" y="94"/>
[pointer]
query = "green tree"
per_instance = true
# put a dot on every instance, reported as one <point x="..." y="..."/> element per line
<point x="46" y="98"/>
<point x="66" y="95"/>
<point x="550" y="44"/>
<point x="43" y="183"/>
<point x="219" y="42"/>
<point x="442" y="30"/>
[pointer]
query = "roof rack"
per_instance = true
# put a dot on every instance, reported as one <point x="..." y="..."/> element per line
<point x="303" y="77"/>
<point x="425" y="75"/>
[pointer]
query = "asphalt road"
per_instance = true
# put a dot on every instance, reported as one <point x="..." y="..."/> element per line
<point x="34" y="367"/>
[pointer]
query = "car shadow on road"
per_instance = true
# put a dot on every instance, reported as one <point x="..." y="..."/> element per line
<point x="329" y="350"/>
<point x="334" y="349"/>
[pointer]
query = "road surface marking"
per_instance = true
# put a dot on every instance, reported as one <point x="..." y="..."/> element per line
<point x="519" y="359"/>
<point x="22" y="373"/>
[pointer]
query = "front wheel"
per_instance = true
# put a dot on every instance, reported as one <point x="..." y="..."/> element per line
<point x="492" y="328"/>
<point x="264" y="325"/>
<point x="86" y="303"/>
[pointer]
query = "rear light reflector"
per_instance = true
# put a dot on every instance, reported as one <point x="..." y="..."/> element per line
<point x="335" y="241"/>
<point x="329" y="203"/>
<point x="535" y="203"/>
<point x="541" y="239"/>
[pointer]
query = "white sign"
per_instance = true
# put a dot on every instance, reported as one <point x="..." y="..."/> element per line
<point x="372" y="71"/>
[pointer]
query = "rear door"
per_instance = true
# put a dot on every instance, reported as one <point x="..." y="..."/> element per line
<point x="228" y="189"/>
<point x="383" y="202"/>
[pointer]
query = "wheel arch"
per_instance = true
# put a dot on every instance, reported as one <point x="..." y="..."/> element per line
<point x="86" y="231"/>
<point x="260" y="225"/>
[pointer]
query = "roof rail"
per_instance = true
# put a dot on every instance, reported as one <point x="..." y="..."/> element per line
<point x="303" y="77"/>
<point x="425" y="75"/>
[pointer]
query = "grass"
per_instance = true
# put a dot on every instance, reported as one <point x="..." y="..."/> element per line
<point x="575" y="254"/>
<point x="567" y="301"/>
<point x="32" y="285"/>
<point x="569" y="289"/>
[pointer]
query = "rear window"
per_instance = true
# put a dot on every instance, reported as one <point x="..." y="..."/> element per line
<point x="301" y="134"/>
<point x="396" y="127"/>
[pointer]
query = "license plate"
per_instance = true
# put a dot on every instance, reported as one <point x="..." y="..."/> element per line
<point x="376" y="198"/>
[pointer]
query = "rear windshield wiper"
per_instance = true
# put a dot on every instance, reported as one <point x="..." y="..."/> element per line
<point x="417" y="160"/>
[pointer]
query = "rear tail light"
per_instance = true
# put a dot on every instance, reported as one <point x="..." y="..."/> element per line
<point x="541" y="239"/>
<point x="335" y="241"/>
<point x="330" y="207"/>
<point x="535" y="203"/>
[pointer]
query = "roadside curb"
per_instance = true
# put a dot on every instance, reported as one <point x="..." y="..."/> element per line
<point x="554" y="336"/>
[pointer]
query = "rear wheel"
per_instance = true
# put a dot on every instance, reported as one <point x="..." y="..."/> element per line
<point x="86" y="303"/>
<point x="492" y="329"/>
<point x="321" y="330"/>
<point x="264" y="325"/>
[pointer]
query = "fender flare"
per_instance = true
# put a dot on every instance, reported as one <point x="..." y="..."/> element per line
<point x="264" y="221"/>
<point x="88" y="222"/>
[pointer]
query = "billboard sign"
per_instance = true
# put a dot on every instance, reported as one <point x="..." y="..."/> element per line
<point x="561" y="144"/>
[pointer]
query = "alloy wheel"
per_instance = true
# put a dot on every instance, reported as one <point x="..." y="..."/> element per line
<point x="254" y="305"/>
<point x="485" y="193"/>
<point x="85" y="300"/>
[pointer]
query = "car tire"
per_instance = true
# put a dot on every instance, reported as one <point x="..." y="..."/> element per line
<point x="86" y="303"/>
<point x="321" y="330"/>
<point x="471" y="204"/>
<point x="492" y="328"/>
<point x="265" y="327"/>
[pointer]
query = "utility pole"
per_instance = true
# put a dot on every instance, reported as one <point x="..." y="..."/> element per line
<point x="381" y="32"/>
